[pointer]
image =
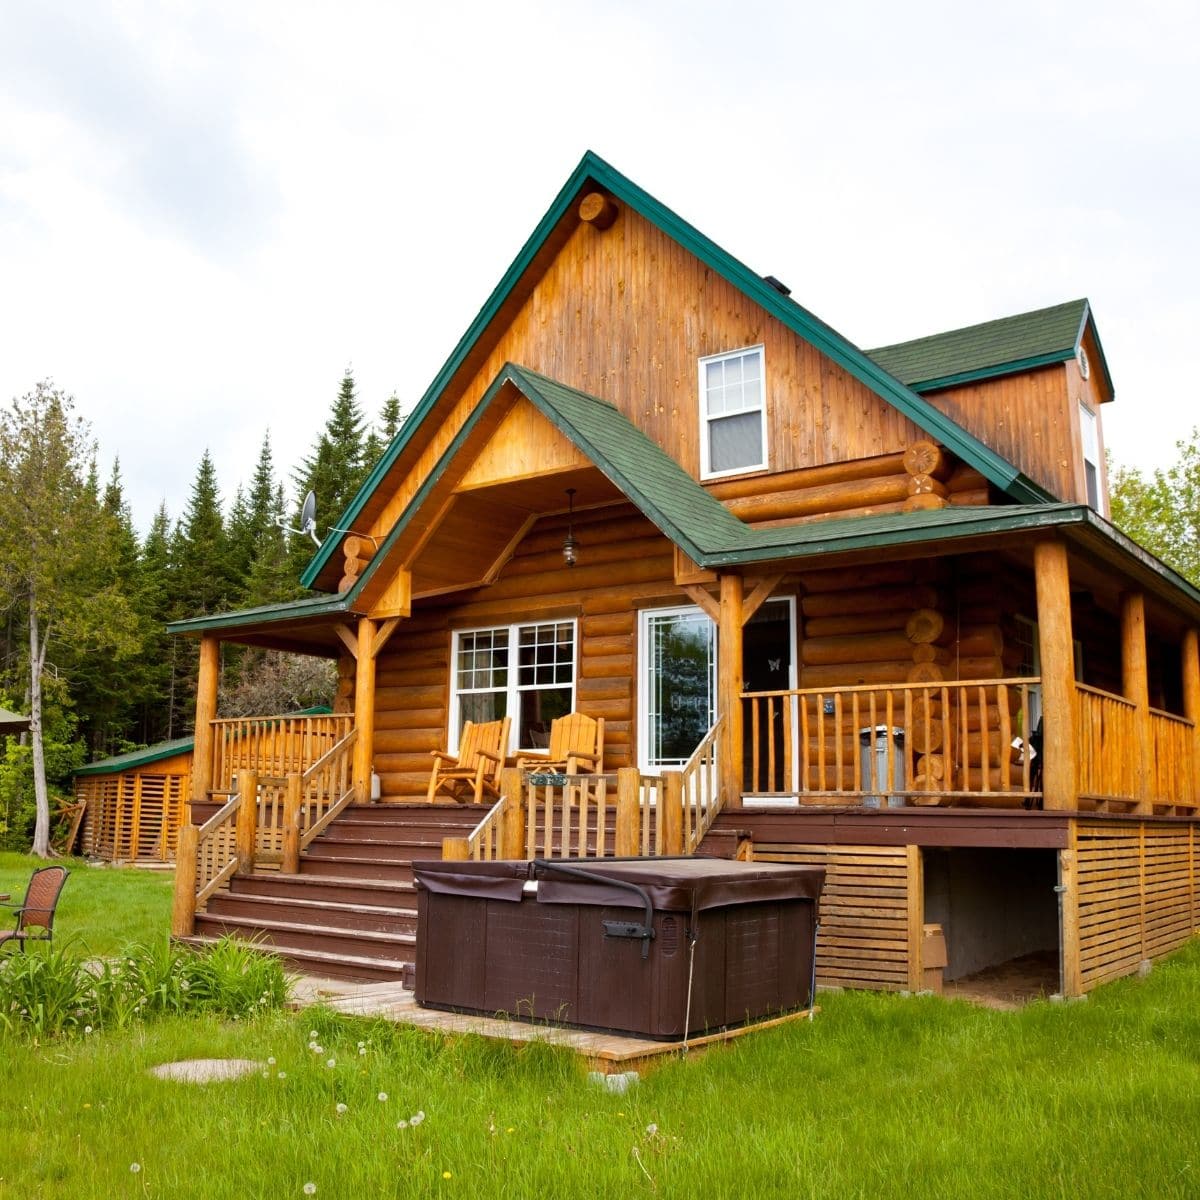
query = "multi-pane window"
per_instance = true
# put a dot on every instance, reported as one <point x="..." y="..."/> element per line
<point x="732" y="413"/>
<point x="526" y="672"/>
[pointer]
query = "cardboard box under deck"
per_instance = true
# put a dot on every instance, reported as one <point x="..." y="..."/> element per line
<point x="567" y="949"/>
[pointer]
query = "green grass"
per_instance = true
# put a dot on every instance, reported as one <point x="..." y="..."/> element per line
<point x="879" y="1096"/>
<point x="104" y="909"/>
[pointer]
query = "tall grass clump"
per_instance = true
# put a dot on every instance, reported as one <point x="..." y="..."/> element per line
<point x="54" y="991"/>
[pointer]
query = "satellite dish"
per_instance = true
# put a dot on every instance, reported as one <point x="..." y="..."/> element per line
<point x="308" y="519"/>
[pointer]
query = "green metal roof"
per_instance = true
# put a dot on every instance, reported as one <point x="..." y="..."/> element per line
<point x="11" y="722"/>
<point x="138" y="758"/>
<point x="1002" y="347"/>
<point x="594" y="171"/>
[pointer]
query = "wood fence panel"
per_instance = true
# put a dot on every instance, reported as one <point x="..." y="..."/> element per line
<point x="864" y="940"/>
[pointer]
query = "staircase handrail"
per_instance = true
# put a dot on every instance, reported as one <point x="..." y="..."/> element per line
<point x="702" y="794"/>
<point x="211" y="871"/>
<point x="335" y="763"/>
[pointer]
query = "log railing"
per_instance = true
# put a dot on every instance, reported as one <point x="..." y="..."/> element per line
<point x="907" y="743"/>
<point x="1173" y="774"/>
<point x="317" y="796"/>
<point x="701" y="787"/>
<point x="626" y="813"/>
<point x="1107" y="750"/>
<point x="209" y="855"/>
<point x="272" y="746"/>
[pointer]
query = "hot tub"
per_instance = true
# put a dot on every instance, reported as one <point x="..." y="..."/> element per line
<point x="660" y="947"/>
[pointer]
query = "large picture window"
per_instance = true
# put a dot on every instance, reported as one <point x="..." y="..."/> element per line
<point x="678" y="685"/>
<point x="526" y="672"/>
<point x="733" y="423"/>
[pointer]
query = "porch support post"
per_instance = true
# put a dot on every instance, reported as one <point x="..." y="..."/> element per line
<point x="1135" y="686"/>
<point x="206" y="713"/>
<point x="1191" y="704"/>
<point x="364" y="710"/>
<point x="729" y="687"/>
<point x="1056" y="648"/>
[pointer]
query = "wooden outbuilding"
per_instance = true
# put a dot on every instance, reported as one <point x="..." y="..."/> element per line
<point x="863" y="609"/>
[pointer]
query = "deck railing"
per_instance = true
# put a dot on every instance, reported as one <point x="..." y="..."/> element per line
<point x="546" y="815"/>
<point x="907" y="743"/>
<point x="267" y="821"/>
<point x="1173" y="771"/>
<point x="1107" y="748"/>
<point x="272" y="746"/>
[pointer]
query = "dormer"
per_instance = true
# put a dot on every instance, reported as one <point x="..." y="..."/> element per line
<point x="1030" y="387"/>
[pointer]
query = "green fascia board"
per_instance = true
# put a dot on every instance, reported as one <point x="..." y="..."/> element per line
<point x="792" y="315"/>
<point x="138" y="758"/>
<point x="307" y="606"/>
<point x="994" y="372"/>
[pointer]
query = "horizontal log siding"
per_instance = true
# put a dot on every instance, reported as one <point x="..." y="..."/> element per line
<point x="623" y="562"/>
<point x="864" y="939"/>
<point x="1137" y="894"/>
<point x="625" y="315"/>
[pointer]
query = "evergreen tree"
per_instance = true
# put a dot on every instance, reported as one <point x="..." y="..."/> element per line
<point x="334" y="470"/>
<point x="390" y="420"/>
<point x="156" y="713"/>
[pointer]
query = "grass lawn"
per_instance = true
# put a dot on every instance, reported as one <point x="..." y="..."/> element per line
<point x="879" y="1096"/>
<point x="104" y="908"/>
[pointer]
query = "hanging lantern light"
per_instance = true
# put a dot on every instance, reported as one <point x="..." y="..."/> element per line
<point x="570" y="545"/>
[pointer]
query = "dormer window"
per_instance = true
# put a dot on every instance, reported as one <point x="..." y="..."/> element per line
<point x="733" y="417"/>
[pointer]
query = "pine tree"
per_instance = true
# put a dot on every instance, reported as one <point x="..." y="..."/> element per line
<point x="334" y="470"/>
<point x="156" y="718"/>
<point x="390" y="420"/>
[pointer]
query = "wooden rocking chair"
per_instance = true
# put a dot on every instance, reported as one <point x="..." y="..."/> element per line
<point x="576" y="747"/>
<point x="35" y="914"/>
<point x="476" y="767"/>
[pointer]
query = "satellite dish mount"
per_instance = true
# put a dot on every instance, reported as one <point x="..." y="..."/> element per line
<point x="308" y="523"/>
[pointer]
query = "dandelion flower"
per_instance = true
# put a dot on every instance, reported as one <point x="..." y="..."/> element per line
<point x="382" y="1097"/>
<point x="331" y="1063"/>
<point x="271" y="1061"/>
<point x="361" y="1045"/>
<point x="87" y="1029"/>
<point x="401" y="1124"/>
<point x="310" y="1188"/>
<point x="362" y="1050"/>
<point x="282" y="1075"/>
<point x="341" y="1109"/>
<point x="135" y="1168"/>
<point x="447" y="1175"/>
<point x="312" y="1033"/>
<point x="416" y="1118"/>
<point x="651" y="1129"/>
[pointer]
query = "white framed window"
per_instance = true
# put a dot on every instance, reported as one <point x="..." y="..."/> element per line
<point x="526" y="672"/>
<point x="1090" y="437"/>
<point x="677" y="684"/>
<point x="733" y="413"/>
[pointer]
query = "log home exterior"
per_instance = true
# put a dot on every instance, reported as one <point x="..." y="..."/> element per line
<point x="824" y="599"/>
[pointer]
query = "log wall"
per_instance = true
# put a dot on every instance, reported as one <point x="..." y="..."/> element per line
<point x="1136" y="894"/>
<point x="624" y="563"/>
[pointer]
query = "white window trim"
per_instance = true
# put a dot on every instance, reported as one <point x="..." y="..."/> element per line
<point x="1089" y="424"/>
<point x="643" y="676"/>
<point x="513" y="691"/>
<point x="705" y="472"/>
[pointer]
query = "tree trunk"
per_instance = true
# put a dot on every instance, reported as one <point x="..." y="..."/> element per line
<point x="37" y="660"/>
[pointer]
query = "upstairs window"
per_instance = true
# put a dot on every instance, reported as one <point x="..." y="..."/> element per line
<point x="1091" y="455"/>
<point x="733" y="417"/>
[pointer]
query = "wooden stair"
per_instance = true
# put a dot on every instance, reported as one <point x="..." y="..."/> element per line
<point x="351" y="912"/>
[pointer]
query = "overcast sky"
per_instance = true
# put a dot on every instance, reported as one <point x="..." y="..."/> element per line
<point x="208" y="210"/>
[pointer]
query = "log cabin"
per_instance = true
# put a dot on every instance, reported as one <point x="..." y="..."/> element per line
<point x="856" y="608"/>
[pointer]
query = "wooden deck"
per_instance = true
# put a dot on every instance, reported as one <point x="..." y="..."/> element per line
<point x="607" y="1053"/>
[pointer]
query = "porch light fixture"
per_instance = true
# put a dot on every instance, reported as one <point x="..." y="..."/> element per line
<point x="570" y="545"/>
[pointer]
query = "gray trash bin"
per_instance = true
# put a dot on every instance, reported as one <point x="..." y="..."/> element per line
<point x="873" y="766"/>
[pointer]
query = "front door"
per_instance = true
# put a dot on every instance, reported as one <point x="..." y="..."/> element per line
<point x="768" y="665"/>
